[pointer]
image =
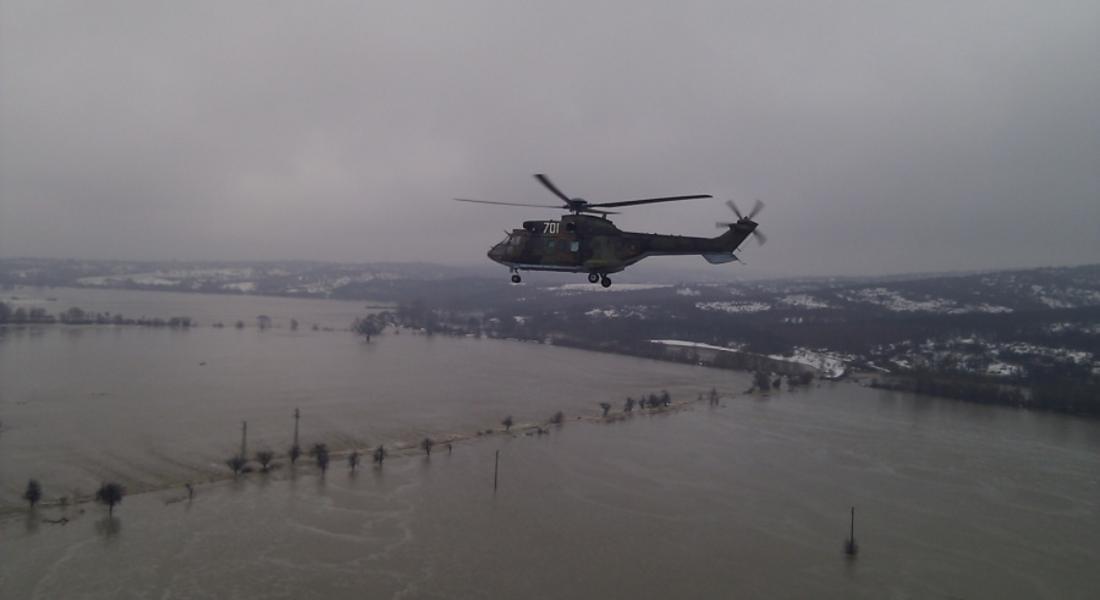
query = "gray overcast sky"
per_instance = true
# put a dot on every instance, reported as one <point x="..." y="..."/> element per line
<point x="884" y="137"/>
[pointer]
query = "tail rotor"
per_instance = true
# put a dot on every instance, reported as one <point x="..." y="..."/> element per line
<point x="746" y="221"/>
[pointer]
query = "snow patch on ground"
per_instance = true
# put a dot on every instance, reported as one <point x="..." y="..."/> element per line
<point x="137" y="278"/>
<point x="577" y="288"/>
<point x="1001" y="369"/>
<point x="1051" y="302"/>
<point x="828" y="363"/>
<point x="617" y="313"/>
<point x="804" y="301"/>
<point x="895" y="302"/>
<point x="734" y="307"/>
<point x="243" y="286"/>
<point x="686" y="344"/>
<point x="990" y="308"/>
<point x="1076" y="356"/>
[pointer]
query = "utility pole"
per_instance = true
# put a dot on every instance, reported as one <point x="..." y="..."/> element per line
<point x="296" y="415"/>
<point x="496" y="470"/>
<point x="850" y="547"/>
<point x="244" y="438"/>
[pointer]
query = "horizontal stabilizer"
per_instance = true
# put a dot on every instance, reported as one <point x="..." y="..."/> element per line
<point x="717" y="259"/>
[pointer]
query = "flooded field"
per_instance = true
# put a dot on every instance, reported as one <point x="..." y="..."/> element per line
<point x="748" y="499"/>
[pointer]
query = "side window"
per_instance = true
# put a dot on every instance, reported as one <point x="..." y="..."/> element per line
<point x="574" y="246"/>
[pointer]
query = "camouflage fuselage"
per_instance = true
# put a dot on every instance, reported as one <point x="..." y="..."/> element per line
<point x="588" y="244"/>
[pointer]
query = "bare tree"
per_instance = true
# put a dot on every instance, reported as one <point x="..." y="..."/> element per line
<point x="264" y="457"/>
<point x="558" y="418"/>
<point x="628" y="406"/>
<point x="353" y="459"/>
<point x="110" y="493"/>
<point x="427" y="445"/>
<point x="33" y="493"/>
<point x="379" y="454"/>
<point x="319" y="452"/>
<point x="263" y="322"/>
<point x="236" y="464"/>
<point x="507" y="423"/>
<point x="605" y="406"/>
<point x="295" y="453"/>
<point x="368" y="326"/>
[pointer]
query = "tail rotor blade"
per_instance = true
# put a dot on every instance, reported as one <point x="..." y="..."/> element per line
<point x="761" y="239"/>
<point x="733" y="207"/>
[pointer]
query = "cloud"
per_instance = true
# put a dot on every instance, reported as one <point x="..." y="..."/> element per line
<point x="883" y="138"/>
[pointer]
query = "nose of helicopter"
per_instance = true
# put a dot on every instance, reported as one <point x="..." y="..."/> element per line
<point x="496" y="253"/>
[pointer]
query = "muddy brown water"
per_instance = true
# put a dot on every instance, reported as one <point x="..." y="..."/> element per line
<point x="749" y="499"/>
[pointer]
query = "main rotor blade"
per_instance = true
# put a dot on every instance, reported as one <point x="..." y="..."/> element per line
<point x="598" y="212"/>
<point x="544" y="180"/>
<point x="651" y="200"/>
<point x="508" y="203"/>
<point x="756" y="208"/>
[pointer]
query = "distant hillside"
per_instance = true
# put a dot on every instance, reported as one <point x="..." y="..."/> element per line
<point x="1036" y="331"/>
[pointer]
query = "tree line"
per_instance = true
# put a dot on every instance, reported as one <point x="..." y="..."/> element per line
<point x="79" y="316"/>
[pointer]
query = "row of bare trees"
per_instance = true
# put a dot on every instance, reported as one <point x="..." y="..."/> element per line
<point x="109" y="494"/>
<point x="651" y="401"/>
<point x="320" y="453"/>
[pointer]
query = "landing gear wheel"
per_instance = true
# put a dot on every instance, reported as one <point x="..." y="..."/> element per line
<point x="516" y="278"/>
<point x="593" y="277"/>
<point x="605" y="281"/>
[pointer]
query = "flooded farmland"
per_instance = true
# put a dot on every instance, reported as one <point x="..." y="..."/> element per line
<point x="746" y="499"/>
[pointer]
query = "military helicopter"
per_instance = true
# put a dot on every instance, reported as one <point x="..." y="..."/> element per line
<point x="586" y="241"/>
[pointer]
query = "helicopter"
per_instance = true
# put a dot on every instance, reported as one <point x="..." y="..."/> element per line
<point x="586" y="241"/>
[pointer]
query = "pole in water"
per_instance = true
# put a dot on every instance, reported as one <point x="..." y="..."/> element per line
<point x="850" y="546"/>
<point x="496" y="469"/>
